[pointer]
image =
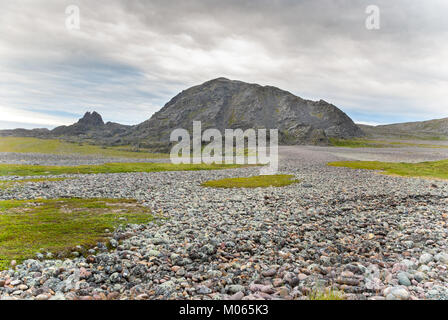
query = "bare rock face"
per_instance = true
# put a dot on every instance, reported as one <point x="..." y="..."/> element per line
<point x="90" y="121"/>
<point x="93" y="119"/>
<point x="92" y="127"/>
<point x="227" y="104"/>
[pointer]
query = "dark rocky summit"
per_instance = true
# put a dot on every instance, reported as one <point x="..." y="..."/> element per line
<point x="91" y="126"/>
<point x="90" y="121"/>
<point x="227" y="104"/>
<point x="223" y="104"/>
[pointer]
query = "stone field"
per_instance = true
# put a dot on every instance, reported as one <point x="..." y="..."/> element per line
<point x="360" y="233"/>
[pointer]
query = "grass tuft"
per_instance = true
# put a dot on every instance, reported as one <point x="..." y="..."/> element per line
<point x="59" y="225"/>
<point x="37" y="170"/>
<point x="262" y="181"/>
<point x="327" y="294"/>
<point x="367" y="143"/>
<point x="356" y="143"/>
<point x="7" y="184"/>
<point x="429" y="169"/>
<point x="55" y="146"/>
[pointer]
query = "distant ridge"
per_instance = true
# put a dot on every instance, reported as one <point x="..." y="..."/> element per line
<point x="429" y="129"/>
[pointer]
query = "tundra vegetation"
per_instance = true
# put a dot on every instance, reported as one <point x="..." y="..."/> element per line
<point x="326" y="294"/>
<point x="38" y="170"/>
<point x="55" y="146"/>
<point x="372" y="143"/>
<point x="59" y="225"/>
<point x="427" y="169"/>
<point x="262" y="181"/>
<point x="6" y="184"/>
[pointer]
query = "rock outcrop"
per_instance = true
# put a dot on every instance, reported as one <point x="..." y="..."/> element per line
<point x="229" y="104"/>
<point x="89" y="122"/>
<point x="222" y="104"/>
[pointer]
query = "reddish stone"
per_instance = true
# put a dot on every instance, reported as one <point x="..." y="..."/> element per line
<point x="113" y="296"/>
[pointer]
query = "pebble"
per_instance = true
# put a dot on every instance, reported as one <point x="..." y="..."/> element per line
<point x="419" y="276"/>
<point x="237" y="296"/>
<point x="42" y="297"/>
<point x="442" y="257"/>
<point x="426" y="258"/>
<point x="269" y="273"/>
<point x="403" y="279"/>
<point x="235" y="288"/>
<point x="397" y="293"/>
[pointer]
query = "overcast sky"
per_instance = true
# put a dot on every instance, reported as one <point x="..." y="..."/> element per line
<point x="131" y="57"/>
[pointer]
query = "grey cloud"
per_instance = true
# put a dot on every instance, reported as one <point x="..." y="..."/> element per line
<point x="132" y="56"/>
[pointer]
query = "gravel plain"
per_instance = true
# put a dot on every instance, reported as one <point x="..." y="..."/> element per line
<point x="366" y="235"/>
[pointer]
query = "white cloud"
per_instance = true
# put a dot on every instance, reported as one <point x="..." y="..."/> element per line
<point x="32" y="118"/>
<point x="369" y="123"/>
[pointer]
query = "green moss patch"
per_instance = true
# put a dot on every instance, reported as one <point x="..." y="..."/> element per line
<point x="37" y="170"/>
<point x="326" y="294"/>
<point x="356" y="143"/>
<point x="59" y="225"/>
<point x="430" y="169"/>
<point x="55" y="146"/>
<point x="6" y="184"/>
<point x="366" y="143"/>
<point x="262" y="181"/>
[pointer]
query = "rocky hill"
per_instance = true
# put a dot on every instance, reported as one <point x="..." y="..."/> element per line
<point x="90" y="122"/>
<point x="34" y="133"/>
<point x="229" y="104"/>
<point x="90" y="127"/>
<point x="431" y="129"/>
<point x="223" y="104"/>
